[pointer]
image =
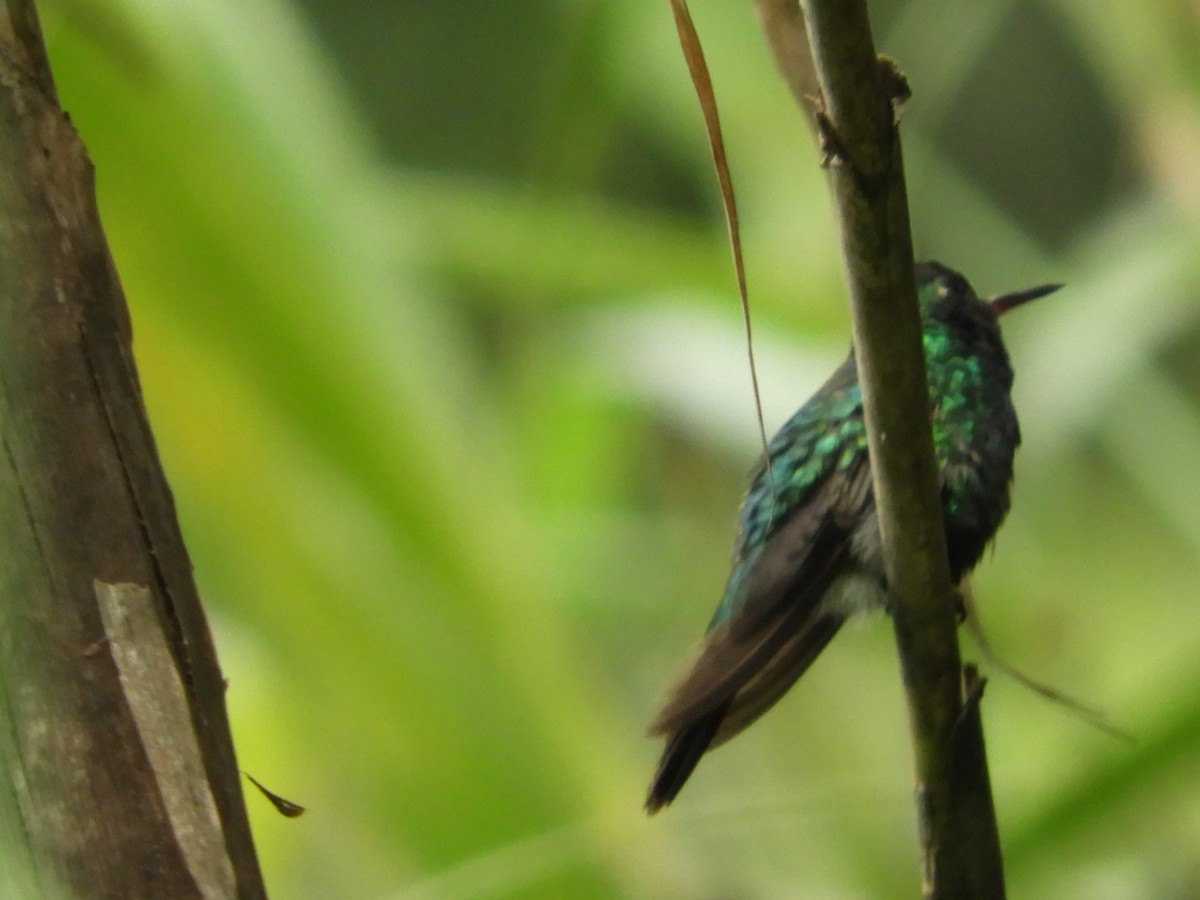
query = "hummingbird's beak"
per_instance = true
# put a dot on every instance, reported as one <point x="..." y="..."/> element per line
<point x="1005" y="302"/>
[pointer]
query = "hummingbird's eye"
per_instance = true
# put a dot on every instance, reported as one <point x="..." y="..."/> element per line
<point x="952" y="285"/>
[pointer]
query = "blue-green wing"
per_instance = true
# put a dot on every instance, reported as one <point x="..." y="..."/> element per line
<point x="771" y="624"/>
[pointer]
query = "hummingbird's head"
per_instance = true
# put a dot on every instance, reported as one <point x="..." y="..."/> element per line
<point x="940" y="288"/>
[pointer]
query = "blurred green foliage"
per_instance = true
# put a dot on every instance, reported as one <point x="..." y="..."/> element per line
<point x="439" y="339"/>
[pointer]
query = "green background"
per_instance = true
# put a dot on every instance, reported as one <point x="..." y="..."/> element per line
<point x="437" y="328"/>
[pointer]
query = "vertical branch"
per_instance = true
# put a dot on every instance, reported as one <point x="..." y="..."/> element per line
<point x="783" y="24"/>
<point x="118" y="771"/>
<point x="860" y="98"/>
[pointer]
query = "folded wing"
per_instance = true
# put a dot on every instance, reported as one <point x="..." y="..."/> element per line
<point x="778" y="624"/>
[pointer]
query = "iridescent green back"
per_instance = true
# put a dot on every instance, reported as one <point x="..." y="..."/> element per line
<point x="974" y="430"/>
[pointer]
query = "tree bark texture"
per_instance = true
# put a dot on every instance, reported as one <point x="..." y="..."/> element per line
<point x="119" y="778"/>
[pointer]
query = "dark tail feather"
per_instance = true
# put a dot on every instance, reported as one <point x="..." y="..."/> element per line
<point x="679" y="759"/>
<point x="755" y="696"/>
<point x="766" y="688"/>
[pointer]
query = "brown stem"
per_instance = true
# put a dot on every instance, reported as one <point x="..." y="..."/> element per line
<point x="857" y="120"/>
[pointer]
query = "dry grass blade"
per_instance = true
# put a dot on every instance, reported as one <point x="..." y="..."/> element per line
<point x="694" y="54"/>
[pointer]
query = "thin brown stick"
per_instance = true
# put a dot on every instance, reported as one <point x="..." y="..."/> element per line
<point x="783" y="24"/>
<point x="857" y="122"/>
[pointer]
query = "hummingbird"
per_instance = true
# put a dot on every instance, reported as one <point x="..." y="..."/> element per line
<point x="808" y="555"/>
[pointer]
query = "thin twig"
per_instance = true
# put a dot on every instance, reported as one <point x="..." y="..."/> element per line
<point x="860" y="96"/>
